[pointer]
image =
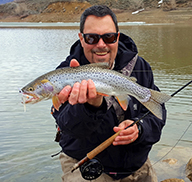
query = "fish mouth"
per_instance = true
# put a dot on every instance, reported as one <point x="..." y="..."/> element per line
<point x="29" y="98"/>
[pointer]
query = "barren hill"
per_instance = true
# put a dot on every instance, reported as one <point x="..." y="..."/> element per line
<point x="70" y="11"/>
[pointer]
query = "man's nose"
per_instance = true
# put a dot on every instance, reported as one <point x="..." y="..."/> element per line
<point x="101" y="43"/>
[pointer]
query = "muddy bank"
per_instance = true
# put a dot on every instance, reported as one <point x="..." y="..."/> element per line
<point x="71" y="12"/>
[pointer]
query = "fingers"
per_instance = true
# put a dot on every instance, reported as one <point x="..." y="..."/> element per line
<point x="64" y="94"/>
<point x="84" y="92"/>
<point x="93" y="98"/>
<point x="77" y="94"/>
<point x="126" y="136"/>
<point x="74" y="63"/>
<point x="92" y="93"/>
<point x="125" y="140"/>
<point x="73" y="98"/>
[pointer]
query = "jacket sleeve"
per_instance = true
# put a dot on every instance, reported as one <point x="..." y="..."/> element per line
<point x="151" y="126"/>
<point x="80" y="120"/>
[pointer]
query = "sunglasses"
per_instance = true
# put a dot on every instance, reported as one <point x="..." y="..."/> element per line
<point x="108" y="38"/>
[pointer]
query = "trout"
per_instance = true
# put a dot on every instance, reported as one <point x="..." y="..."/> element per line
<point x="107" y="82"/>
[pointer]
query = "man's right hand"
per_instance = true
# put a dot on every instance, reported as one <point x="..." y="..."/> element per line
<point x="80" y="92"/>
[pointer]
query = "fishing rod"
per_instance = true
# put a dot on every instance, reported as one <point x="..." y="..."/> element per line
<point x="86" y="170"/>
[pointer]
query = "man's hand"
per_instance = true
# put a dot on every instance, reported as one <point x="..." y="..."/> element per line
<point x="80" y="92"/>
<point x="126" y="136"/>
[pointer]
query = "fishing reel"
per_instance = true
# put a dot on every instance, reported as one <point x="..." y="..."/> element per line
<point x="91" y="169"/>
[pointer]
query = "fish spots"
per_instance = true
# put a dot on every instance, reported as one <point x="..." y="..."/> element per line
<point x="142" y="93"/>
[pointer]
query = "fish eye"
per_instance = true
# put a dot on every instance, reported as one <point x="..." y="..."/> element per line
<point x="30" y="89"/>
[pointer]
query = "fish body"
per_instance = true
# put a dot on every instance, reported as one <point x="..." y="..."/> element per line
<point x="107" y="82"/>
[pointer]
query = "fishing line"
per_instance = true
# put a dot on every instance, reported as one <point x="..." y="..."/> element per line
<point x="175" y="144"/>
<point x="67" y="173"/>
<point x="23" y="99"/>
<point x="180" y="68"/>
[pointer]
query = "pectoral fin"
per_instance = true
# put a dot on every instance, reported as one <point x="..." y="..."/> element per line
<point x="56" y="102"/>
<point x="47" y="85"/>
<point x="123" y="101"/>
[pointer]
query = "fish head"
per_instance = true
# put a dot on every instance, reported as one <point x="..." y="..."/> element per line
<point x="36" y="91"/>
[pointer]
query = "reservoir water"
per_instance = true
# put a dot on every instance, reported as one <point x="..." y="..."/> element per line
<point x="27" y="138"/>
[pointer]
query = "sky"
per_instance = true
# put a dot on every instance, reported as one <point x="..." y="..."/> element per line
<point x="5" y="1"/>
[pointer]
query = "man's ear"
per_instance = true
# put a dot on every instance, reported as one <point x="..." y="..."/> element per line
<point x="118" y="36"/>
<point x="81" y="38"/>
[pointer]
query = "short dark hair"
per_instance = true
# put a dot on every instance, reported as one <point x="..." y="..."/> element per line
<point x="99" y="11"/>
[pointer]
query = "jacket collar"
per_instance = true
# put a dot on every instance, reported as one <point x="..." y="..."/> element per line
<point x="127" y="50"/>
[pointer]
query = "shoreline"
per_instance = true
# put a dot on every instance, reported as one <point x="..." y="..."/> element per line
<point x="148" y="16"/>
<point x="68" y="25"/>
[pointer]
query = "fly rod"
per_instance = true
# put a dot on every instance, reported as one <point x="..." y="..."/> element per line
<point x="110" y="140"/>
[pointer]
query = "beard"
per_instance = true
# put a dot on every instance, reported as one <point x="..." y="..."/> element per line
<point x="100" y="60"/>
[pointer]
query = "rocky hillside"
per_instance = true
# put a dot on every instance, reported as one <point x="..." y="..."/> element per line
<point x="70" y="10"/>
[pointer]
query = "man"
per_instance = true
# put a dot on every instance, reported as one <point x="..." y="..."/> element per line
<point x="87" y="119"/>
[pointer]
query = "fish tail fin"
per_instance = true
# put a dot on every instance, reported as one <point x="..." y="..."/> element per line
<point x="159" y="96"/>
<point x="154" y="103"/>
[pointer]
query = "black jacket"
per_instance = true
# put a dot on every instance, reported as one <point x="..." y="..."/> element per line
<point x="85" y="127"/>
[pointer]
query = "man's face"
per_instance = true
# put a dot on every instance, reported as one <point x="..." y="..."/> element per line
<point x="100" y="52"/>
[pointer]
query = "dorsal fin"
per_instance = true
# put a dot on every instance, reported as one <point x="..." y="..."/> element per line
<point x="133" y="79"/>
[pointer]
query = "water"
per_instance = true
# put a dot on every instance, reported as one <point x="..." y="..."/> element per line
<point x="26" y="138"/>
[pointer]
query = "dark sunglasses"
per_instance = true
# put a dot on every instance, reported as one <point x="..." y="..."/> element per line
<point x="108" y="38"/>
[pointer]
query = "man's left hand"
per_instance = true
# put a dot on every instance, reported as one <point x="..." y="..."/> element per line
<point x="128" y="135"/>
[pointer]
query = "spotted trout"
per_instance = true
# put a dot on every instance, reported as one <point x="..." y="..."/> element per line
<point x="107" y="82"/>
